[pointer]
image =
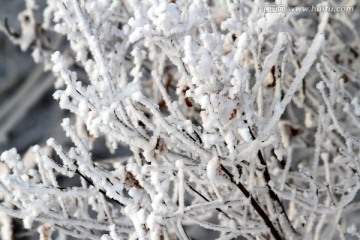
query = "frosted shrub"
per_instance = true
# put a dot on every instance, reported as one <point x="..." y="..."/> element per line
<point x="240" y="123"/>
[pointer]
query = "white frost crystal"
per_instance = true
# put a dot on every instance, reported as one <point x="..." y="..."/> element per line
<point x="238" y="122"/>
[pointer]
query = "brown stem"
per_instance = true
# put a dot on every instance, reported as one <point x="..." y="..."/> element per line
<point x="272" y="194"/>
<point x="274" y="232"/>
<point x="92" y="184"/>
<point x="203" y="197"/>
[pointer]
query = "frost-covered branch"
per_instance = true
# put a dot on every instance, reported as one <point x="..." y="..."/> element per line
<point x="240" y="122"/>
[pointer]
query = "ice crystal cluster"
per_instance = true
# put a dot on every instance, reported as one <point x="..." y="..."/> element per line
<point x="241" y="123"/>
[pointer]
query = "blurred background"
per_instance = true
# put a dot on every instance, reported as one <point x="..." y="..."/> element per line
<point x="28" y="113"/>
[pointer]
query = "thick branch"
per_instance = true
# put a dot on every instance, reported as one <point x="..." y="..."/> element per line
<point x="255" y="205"/>
<point x="272" y="194"/>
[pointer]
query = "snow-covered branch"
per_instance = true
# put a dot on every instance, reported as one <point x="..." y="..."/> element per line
<point x="240" y="122"/>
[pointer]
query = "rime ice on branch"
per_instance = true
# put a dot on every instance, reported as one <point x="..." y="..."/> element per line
<point x="240" y="123"/>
